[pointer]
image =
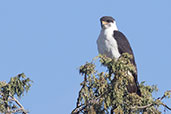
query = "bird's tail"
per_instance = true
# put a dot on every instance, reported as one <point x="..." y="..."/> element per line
<point x="138" y="90"/>
<point x="133" y="85"/>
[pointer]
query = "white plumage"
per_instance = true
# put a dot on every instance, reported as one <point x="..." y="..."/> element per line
<point x="107" y="45"/>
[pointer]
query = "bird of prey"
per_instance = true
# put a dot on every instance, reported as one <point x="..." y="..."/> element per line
<point x="112" y="43"/>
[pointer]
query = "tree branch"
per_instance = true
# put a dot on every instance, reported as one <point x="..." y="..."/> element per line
<point x="166" y="106"/>
<point x="149" y="105"/>
<point x="19" y="104"/>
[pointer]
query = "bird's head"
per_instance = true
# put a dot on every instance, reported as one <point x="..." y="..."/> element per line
<point x="108" y="22"/>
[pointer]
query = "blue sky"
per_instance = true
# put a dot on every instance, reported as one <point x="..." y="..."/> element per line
<point x="49" y="39"/>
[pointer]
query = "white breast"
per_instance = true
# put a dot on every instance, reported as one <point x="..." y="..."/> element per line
<point x="107" y="45"/>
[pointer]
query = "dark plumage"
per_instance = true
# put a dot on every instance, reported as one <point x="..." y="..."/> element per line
<point x="124" y="47"/>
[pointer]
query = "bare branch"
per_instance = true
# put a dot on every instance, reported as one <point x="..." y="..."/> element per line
<point x="149" y="105"/>
<point x="17" y="110"/>
<point x="142" y="107"/>
<point x="166" y="106"/>
<point x="19" y="104"/>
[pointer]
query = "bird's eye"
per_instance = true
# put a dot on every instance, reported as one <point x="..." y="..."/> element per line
<point x="108" y="21"/>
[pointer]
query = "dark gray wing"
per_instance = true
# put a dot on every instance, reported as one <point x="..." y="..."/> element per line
<point x="123" y="44"/>
<point x="124" y="47"/>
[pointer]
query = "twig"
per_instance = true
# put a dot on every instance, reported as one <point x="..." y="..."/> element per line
<point x="82" y="106"/>
<point x="17" y="110"/>
<point x="166" y="106"/>
<point x="160" y="98"/>
<point x="78" y="109"/>
<point x="19" y="104"/>
<point x="142" y="107"/>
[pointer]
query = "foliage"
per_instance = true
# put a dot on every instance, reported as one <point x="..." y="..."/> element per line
<point x="106" y="92"/>
<point x="15" y="87"/>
